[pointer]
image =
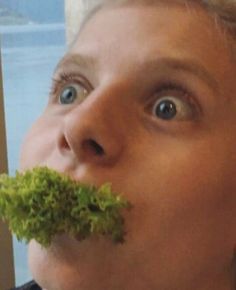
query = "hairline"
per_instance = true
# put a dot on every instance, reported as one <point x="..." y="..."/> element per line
<point x="222" y="24"/>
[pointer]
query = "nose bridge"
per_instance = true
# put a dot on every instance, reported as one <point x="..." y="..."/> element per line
<point x="101" y="112"/>
<point x="95" y="129"/>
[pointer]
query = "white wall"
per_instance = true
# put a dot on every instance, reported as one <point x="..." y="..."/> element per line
<point x="75" y="10"/>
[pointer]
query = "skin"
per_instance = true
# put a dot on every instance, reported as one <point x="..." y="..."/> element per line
<point x="179" y="174"/>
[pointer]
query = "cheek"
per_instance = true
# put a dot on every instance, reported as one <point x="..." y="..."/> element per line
<point x="38" y="144"/>
<point x="188" y="172"/>
<point x="182" y="196"/>
<point x="184" y="189"/>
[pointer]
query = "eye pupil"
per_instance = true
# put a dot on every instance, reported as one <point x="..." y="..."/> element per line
<point x="68" y="95"/>
<point x="166" y="110"/>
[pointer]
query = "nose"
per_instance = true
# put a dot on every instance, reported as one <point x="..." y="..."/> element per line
<point x="92" y="133"/>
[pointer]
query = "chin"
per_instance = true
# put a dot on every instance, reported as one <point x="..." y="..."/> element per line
<point x="72" y="265"/>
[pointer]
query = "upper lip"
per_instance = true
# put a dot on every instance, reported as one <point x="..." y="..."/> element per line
<point x="82" y="178"/>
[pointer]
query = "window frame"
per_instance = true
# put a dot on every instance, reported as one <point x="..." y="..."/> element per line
<point x="7" y="273"/>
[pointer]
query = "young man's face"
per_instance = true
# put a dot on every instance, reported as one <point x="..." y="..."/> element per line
<point x="145" y="99"/>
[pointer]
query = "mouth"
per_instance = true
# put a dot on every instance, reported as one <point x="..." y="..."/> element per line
<point x="41" y="203"/>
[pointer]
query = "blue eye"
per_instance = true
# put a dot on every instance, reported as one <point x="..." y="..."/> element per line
<point x="68" y="95"/>
<point x="172" y="108"/>
<point x="71" y="94"/>
<point x="165" y="109"/>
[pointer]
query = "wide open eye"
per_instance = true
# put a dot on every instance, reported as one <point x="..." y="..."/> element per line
<point x="172" y="108"/>
<point x="166" y="109"/>
<point x="72" y="93"/>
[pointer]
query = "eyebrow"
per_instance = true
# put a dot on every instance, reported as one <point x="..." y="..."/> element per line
<point x="186" y="65"/>
<point x="81" y="61"/>
<point x="163" y="63"/>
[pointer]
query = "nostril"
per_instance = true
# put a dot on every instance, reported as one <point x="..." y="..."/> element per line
<point x="93" y="146"/>
<point x="64" y="144"/>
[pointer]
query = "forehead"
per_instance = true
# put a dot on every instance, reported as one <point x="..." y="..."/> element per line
<point x="125" y="38"/>
<point x="181" y="27"/>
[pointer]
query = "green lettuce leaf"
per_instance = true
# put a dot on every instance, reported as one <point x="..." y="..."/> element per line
<point x="41" y="203"/>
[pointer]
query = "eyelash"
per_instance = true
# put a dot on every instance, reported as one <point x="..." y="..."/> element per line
<point x="182" y="92"/>
<point x="66" y="78"/>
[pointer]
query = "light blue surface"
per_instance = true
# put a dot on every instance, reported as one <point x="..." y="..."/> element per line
<point x="29" y="56"/>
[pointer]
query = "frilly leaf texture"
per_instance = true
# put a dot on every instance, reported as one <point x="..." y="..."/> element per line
<point x="41" y="203"/>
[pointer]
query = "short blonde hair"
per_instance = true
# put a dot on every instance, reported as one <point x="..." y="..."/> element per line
<point x="225" y="9"/>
